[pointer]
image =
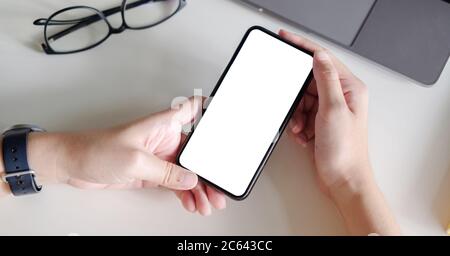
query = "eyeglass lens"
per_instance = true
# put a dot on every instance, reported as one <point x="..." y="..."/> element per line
<point x="82" y="27"/>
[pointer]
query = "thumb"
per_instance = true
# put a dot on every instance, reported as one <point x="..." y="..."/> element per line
<point x="327" y="79"/>
<point x="164" y="173"/>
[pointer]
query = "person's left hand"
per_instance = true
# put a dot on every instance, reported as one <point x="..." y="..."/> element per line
<point x="135" y="155"/>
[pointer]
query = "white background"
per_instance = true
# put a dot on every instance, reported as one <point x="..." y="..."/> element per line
<point x="246" y="113"/>
<point x="139" y="72"/>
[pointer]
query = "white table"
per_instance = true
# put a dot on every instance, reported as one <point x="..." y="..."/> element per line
<point x="139" y="72"/>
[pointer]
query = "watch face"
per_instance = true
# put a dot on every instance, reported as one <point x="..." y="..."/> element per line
<point x="33" y="128"/>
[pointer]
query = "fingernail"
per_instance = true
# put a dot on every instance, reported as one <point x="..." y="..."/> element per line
<point x="322" y="56"/>
<point x="295" y="128"/>
<point x="188" y="179"/>
<point x="206" y="212"/>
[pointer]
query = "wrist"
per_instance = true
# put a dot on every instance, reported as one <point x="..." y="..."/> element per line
<point x="357" y="185"/>
<point x="363" y="207"/>
<point x="47" y="156"/>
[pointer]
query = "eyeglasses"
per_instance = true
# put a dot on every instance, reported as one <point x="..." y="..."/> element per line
<point x="80" y="28"/>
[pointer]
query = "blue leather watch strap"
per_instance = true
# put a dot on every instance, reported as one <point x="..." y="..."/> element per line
<point x="19" y="176"/>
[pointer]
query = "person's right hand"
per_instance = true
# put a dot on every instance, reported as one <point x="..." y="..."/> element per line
<point x="333" y="117"/>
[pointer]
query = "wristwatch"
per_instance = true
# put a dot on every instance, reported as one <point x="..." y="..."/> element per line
<point x="18" y="175"/>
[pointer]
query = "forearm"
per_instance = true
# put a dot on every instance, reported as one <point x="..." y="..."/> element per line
<point x="364" y="209"/>
<point x="46" y="156"/>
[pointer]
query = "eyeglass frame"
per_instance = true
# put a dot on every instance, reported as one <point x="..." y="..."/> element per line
<point x="103" y="17"/>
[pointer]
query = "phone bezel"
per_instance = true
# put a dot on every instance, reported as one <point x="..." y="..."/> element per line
<point x="280" y="130"/>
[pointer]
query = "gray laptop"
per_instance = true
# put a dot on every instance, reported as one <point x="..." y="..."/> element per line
<point x="411" y="37"/>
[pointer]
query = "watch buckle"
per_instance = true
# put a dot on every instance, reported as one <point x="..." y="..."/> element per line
<point x="16" y="174"/>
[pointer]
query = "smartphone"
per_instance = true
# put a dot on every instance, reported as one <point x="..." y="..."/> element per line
<point x="248" y="111"/>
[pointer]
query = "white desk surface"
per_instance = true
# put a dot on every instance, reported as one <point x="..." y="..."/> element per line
<point x="139" y="72"/>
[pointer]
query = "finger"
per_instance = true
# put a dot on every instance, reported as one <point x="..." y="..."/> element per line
<point x="178" y="193"/>
<point x="291" y="134"/>
<point x="308" y="132"/>
<point x="300" y="41"/>
<point x="313" y="47"/>
<point x="357" y="99"/>
<point x="301" y="139"/>
<point x="183" y="138"/>
<point x="187" y="200"/>
<point x="297" y="122"/>
<point x="298" y="138"/>
<point x="150" y="168"/>
<point x="354" y="90"/>
<point x="201" y="200"/>
<point x="216" y="198"/>
<point x="312" y="89"/>
<point x="327" y="79"/>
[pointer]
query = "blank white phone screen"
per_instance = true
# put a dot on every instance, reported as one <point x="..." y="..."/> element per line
<point x="246" y="112"/>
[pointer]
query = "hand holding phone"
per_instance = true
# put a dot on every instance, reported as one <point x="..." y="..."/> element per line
<point x="251" y="105"/>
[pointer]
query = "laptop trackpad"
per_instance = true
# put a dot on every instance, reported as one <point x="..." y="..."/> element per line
<point x="409" y="36"/>
<point x="337" y="20"/>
